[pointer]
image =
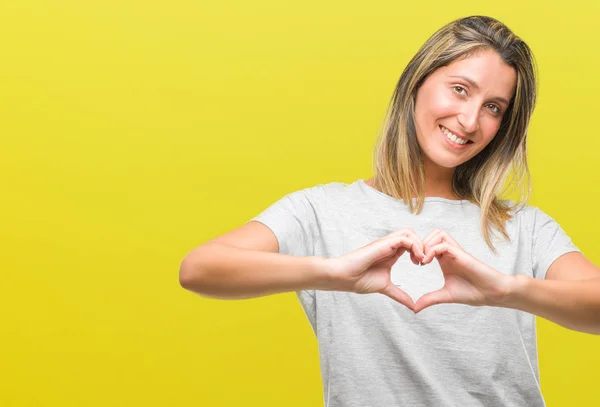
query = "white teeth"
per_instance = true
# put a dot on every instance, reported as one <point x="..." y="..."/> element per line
<point x="452" y="137"/>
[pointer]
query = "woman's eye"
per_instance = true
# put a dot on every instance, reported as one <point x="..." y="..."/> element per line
<point x="459" y="89"/>
<point x="494" y="108"/>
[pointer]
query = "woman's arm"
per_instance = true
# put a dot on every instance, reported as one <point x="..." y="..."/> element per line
<point x="246" y="263"/>
<point x="227" y="272"/>
<point x="570" y="295"/>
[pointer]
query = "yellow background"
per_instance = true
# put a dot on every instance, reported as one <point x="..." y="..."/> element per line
<point x="134" y="131"/>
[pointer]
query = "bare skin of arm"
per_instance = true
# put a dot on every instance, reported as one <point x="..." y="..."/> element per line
<point x="246" y="263"/>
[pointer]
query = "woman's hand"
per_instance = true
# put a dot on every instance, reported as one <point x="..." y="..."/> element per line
<point x="367" y="270"/>
<point x="467" y="280"/>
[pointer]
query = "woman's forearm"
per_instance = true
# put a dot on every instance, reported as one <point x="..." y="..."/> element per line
<point x="227" y="272"/>
<point x="572" y="304"/>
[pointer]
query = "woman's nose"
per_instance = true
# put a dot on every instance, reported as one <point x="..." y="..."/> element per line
<point x="469" y="118"/>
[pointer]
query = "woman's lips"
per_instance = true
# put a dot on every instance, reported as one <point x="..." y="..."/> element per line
<point x="451" y="144"/>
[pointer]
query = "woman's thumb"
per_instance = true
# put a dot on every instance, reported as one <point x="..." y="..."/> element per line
<point x="384" y="249"/>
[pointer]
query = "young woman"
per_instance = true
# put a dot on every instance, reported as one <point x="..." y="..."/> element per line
<point x="429" y="227"/>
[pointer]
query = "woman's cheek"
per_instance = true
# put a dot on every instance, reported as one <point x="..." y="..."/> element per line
<point x="443" y="105"/>
<point x="490" y="129"/>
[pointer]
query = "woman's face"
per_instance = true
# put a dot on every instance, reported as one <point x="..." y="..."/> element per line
<point x="459" y="107"/>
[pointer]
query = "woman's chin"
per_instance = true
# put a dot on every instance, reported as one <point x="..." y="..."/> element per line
<point x="446" y="162"/>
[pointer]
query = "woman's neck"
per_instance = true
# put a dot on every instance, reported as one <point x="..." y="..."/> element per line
<point x="438" y="182"/>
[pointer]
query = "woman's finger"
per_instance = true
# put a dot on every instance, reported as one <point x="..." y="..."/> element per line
<point x="409" y="232"/>
<point x="385" y="248"/>
<point x="437" y="237"/>
<point x="428" y="241"/>
<point x="415" y="253"/>
<point x="397" y="294"/>
<point x="441" y="296"/>
<point x="414" y="245"/>
<point x="438" y="250"/>
<point x="416" y="260"/>
<point x="448" y="238"/>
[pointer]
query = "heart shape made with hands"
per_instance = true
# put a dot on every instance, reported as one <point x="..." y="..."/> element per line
<point x="444" y="273"/>
<point x="416" y="280"/>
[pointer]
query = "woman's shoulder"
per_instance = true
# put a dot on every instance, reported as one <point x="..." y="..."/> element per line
<point x="311" y="198"/>
<point x="327" y="190"/>
<point x="526" y="214"/>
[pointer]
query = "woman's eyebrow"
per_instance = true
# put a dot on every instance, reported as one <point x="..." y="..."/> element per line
<point x="476" y="86"/>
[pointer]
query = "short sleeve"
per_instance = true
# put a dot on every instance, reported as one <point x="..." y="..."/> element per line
<point x="549" y="243"/>
<point x="293" y="220"/>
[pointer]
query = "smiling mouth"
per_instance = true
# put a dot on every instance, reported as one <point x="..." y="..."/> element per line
<point x="454" y="138"/>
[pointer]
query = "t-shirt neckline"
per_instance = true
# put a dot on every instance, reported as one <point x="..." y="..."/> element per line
<point x="372" y="190"/>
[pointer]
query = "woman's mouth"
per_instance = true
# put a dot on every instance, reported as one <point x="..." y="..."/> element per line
<point x="453" y="140"/>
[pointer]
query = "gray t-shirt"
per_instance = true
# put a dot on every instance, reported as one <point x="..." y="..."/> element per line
<point x="374" y="351"/>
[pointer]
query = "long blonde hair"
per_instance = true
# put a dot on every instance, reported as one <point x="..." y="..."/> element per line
<point x="398" y="158"/>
